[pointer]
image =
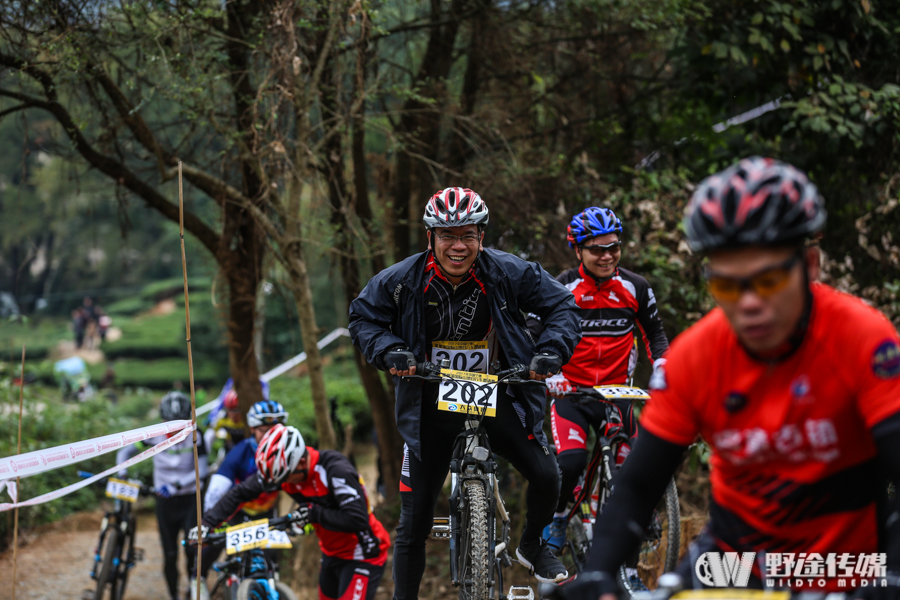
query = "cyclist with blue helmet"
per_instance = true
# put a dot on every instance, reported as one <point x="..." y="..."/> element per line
<point x="615" y="303"/>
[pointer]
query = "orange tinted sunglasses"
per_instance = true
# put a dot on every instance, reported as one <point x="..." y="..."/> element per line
<point x="764" y="283"/>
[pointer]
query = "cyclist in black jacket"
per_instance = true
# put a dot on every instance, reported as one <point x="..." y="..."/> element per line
<point x="467" y="304"/>
<point x="331" y="498"/>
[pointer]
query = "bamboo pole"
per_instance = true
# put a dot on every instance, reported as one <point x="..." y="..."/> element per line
<point x="18" y="451"/>
<point x="187" y="324"/>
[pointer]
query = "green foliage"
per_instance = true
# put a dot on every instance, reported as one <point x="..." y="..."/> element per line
<point x="341" y="383"/>
<point x="47" y="423"/>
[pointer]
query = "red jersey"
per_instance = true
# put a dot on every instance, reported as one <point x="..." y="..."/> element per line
<point x="611" y="311"/>
<point x="340" y="511"/>
<point x="793" y="457"/>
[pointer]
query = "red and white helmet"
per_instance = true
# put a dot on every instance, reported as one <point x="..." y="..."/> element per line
<point x="453" y="207"/>
<point x="230" y="402"/>
<point x="278" y="454"/>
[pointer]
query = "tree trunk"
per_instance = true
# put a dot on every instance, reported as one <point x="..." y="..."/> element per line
<point x="389" y="444"/>
<point x="242" y="267"/>
<point x="303" y="296"/>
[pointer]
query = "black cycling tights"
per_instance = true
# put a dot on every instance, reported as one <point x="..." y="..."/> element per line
<point x="422" y="480"/>
<point x="178" y="513"/>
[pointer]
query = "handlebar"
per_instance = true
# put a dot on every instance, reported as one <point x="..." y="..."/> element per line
<point x="514" y="375"/>
<point x="279" y="523"/>
<point x="146" y="490"/>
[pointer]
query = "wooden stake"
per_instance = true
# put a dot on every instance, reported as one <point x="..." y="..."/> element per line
<point x="187" y="324"/>
<point x="18" y="451"/>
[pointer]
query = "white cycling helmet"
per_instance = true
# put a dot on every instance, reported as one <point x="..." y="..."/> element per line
<point x="454" y="206"/>
<point x="278" y="454"/>
<point x="266" y="412"/>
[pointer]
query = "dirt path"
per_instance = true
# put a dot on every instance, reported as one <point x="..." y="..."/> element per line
<point x="56" y="561"/>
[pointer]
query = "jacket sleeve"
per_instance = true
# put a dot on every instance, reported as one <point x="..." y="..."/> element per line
<point x="554" y="305"/>
<point x="651" y="324"/>
<point x="352" y="512"/>
<point x="371" y="316"/>
<point x="231" y="501"/>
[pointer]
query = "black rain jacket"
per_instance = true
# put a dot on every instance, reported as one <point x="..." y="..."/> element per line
<point x="390" y="312"/>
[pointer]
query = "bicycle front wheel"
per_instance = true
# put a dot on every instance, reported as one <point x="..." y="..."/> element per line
<point x="125" y="565"/>
<point x="475" y="562"/>
<point x="659" y="549"/>
<point x="255" y="589"/>
<point x="106" y="578"/>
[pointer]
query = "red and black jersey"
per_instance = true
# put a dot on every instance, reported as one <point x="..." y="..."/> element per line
<point x="611" y="310"/>
<point x="457" y="313"/>
<point x="341" y="513"/>
<point x="793" y="452"/>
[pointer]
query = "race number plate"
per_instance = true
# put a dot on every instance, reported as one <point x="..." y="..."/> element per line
<point x="278" y="539"/>
<point x="246" y="536"/>
<point x="463" y="356"/>
<point x="614" y="392"/>
<point x="122" y="490"/>
<point x="468" y="396"/>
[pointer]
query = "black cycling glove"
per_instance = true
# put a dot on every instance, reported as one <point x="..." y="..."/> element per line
<point x="400" y="359"/>
<point x="545" y="363"/>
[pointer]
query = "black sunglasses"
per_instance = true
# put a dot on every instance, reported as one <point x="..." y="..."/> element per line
<point x="598" y="250"/>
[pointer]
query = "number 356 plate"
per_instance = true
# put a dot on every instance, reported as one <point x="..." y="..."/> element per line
<point x="246" y="536"/>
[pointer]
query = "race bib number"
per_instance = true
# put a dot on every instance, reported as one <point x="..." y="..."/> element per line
<point x="463" y="356"/>
<point x="615" y="392"/>
<point x="476" y="394"/>
<point x="278" y="539"/>
<point x="122" y="490"/>
<point x="247" y="536"/>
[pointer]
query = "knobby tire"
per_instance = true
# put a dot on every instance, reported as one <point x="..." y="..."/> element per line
<point x="106" y="576"/>
<point x="475" y="561"/>
<point x="253" y="589"/>
<point x="657" y="554"/>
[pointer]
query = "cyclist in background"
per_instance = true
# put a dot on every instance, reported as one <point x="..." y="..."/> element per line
<point x="238" y="466"/>
<point x="615" y="303"/>
<point x="228" y="429"/>
<point x="175" y="483"/>
<point x="794" y="385"/>
<point x="332" y="498"/>
<point x="420" y="309"/>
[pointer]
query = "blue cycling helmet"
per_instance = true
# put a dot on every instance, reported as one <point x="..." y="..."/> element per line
<point x="592" y="222"/>
<point x="267" y="412"/>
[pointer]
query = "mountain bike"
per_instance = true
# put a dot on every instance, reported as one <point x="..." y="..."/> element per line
<point x="249" y="573"/>
<point x="478" y="552"/>
<point x="659" y="549"/>
<point x="116" y="554"/>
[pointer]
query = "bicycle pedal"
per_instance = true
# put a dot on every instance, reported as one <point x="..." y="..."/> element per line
<point x="440" y="530"/>
<point x="520" y="592"/>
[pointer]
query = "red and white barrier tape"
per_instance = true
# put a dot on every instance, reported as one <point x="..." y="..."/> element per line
<point x="32" y="463"/>
<point x="178" y="437"/>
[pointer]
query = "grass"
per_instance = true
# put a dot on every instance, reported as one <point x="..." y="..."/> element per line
<point x="39" y="335"/>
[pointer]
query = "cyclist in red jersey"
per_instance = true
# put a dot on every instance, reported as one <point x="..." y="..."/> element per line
<point x="794" y="385"/>
<point x="615" y="304"/>
<point x="331" y="498"/>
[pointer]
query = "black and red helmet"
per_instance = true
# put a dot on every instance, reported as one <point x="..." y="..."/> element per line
<point x="755" y="202"/>
<point x="455" y="206"/>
